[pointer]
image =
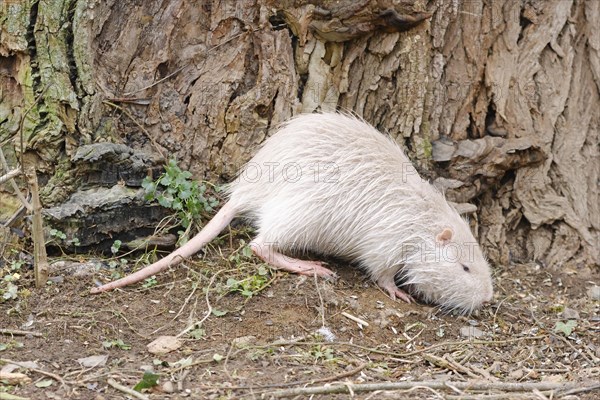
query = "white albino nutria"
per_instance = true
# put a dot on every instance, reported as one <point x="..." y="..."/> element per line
<point x="333" y="185"/>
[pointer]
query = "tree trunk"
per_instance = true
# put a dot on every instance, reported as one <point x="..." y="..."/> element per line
<point x="497" y="101"/>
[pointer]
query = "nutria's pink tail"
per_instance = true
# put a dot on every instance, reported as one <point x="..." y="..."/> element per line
<point x="208" y="233"/>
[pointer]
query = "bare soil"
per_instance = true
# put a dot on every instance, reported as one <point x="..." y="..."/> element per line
<point x="296" y="332"/>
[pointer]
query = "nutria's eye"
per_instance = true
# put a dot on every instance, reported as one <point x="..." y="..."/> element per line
<point x="465" y="268"/>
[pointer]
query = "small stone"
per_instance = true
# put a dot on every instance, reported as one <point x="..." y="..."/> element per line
<point x="516" y="374"/>
<point x="569" y="313"/>
<point x="168" y="387"/>
<point x="594" y="292"/>
<point x="496" y="367"/>
<point x="471" y="332"/>
<point x="554" y="378"/>
<point x="57" y="279"/>
<point x="243" y="341"/>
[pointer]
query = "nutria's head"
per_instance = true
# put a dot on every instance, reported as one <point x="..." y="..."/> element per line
<point x="450" y="270"/>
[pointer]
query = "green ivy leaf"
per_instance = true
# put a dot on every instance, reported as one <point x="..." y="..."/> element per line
<point x="148" y="381"/>
<point x="218" y="313"/>
<point x="185" y="194"/>
<point x="115" y="247"/>
<point x="565" y="328"/>
<point x="148" y="184"/>
<point x="177" y="205"/>
<point x="165" y="201"/>
<point x="166" y="180"/>
<point x="44" y="383"/>
<point x="247" y="252"/>
<point x="120" y="344"/>
<point x="197" y="333"/>
<point x="232" y="283"/>
<point x="262" y="270"/>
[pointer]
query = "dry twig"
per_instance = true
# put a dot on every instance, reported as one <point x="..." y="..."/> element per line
<point x="126" y="390"/>
<point x="478" y="385"/>
<point x="39" y="371"/>
<point x="39" y="243"/>
<point x="337" y="377"/>
<point x="208" y="312"/>
<point x="16" y="332"/>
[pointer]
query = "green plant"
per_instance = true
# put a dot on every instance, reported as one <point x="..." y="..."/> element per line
<point x="13" y="344"/>
<point x="322" y="353"/>
<point x="251" y="284"/>
<point x="10" y="275"/>
<point x="149" y="282"/>
<point x="114" y="263"/>
<point x="149" y="380"/>
<point x="243" y="254"/>
<point x="566" y="328"/>
<point x="15" y="265"/>
<point x="107" y="344"/>
<point x="55" y="233"/>
<point x="174" y="190"/>
<point x="59" y="237"/>
<point x="115" y="247"/>
<point x="197" y="333"/>
<point x="10" y="291"/>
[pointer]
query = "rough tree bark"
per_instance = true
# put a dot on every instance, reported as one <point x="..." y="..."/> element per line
<point x="497" y="101"/>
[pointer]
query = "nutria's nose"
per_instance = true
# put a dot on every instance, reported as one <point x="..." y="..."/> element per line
<point x="488" y="298"/>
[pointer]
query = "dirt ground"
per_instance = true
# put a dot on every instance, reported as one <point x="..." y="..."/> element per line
<point x="291" y="336"/>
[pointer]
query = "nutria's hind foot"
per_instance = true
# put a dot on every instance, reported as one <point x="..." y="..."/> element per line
<point x="268" y="254"/>
<point x="394" y="291"/>
<point x="310" y="268"/>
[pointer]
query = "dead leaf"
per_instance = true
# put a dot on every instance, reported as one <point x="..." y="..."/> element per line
<point x="93" y="361"/>
<point x="164" y="344"/>
<point x="14" y="378"/>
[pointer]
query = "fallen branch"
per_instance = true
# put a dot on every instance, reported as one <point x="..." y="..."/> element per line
<point x="355" y="319"/>
<point x="16" y="332"/>
<point x="480" y="385"/>
<point x="297" y="383"/>
<point x="300" y="342"/>
<point x="582" y="389"/>
<point x="126" y="390"/>
<point x="9" y="175"/>
<point x="37" y="233"/>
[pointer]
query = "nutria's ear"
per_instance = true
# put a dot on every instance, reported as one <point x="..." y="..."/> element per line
<point x="445" y="236"/>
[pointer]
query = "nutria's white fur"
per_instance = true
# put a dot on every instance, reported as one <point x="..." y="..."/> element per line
<point x="334" y="185"/>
